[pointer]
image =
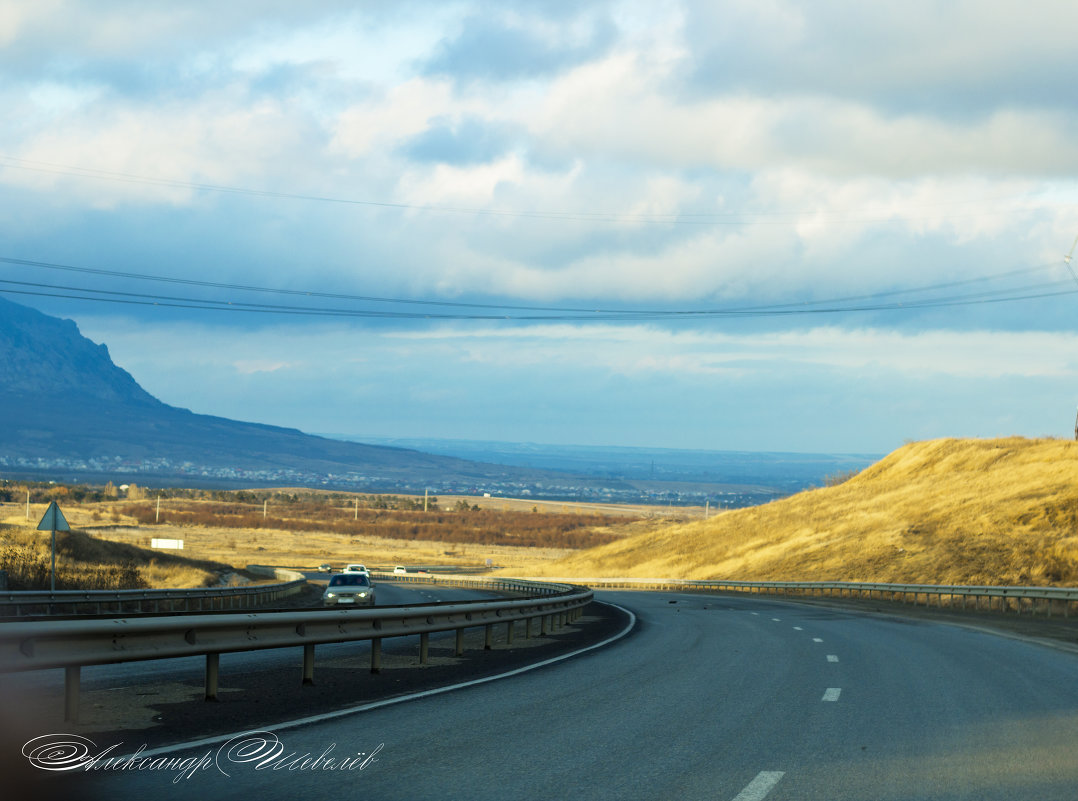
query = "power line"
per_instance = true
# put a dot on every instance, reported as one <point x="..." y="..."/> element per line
<point x="892" y="300"/>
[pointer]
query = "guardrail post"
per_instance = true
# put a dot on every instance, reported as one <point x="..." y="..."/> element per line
<point x="376" y="655"/>
<point x="460" y="642"/>
<point x="527" y="628"/>
<point x="424" y="647"/>
<point x="509" y="633"/>
<point x="308" y="663"/>
<point x="488" y="643"/>
<point x="544" y="625"/>
<point x="213" y="663"/>
<point x="71" y="694"/>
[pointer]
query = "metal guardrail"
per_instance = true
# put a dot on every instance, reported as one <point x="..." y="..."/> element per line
<point x="1017" y="598"/>
<point x="71" y="644"/>
<point x="97" y="602"/>
<point x="509" y="585"/>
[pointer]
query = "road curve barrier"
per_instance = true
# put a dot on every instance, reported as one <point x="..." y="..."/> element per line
<point x="1020" y="600"/>
<point x="18" y="603"/>
<point x="73" y="643"/>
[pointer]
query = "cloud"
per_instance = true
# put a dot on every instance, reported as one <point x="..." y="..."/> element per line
<point x="466" y="141"/>
<point x="247" y="367"/>
<point x="526" y="42"/>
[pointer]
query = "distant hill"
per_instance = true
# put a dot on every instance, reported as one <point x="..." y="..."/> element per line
<point x="1001" y="511"/>
<point x="68" y="411"/>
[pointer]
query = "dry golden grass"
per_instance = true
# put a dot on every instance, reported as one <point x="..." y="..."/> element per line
<point x="999" y="511"/>
<point x="239" y="547"/>
<point x="90" y="563"/>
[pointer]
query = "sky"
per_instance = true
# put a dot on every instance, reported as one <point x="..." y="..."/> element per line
<point x="775" y="226"/>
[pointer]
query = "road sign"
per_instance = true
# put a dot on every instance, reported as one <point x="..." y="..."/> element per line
<point x="53" y="520"/>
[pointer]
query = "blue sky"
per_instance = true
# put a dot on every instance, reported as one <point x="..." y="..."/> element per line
<point x="756" y="225"/>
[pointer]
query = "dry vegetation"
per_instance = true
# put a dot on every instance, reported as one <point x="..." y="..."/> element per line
<point x="465" y="525"/>
<point x="294" y="528"/>
<point x="947" y="511"/>
<point x="84" y="562"/>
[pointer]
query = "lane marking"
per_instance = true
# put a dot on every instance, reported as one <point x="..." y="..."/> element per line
<point x="798" y="628"/>
<point x="754" y="613"/>
<point x="776" y="620"/>
<point x="758" y="788"/>
<point x="832" y="657"/>
<point x="832" y="694"/>
<point x="816" y="639"/>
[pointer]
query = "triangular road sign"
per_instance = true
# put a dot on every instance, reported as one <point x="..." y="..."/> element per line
<point x="53" y="520"/>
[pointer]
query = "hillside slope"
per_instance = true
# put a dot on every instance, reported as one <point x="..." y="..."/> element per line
<point x="70" y="410"/>
<point x="1001" y="511"/>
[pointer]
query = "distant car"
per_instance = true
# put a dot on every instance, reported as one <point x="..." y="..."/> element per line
<point x="357" y="569"/>
<point x="399" y="569"/>
<point x="349" y="589"/>
<point x="325" y="568"/>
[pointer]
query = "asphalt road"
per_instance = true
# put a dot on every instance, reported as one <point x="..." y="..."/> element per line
<point x="708" y="698"/>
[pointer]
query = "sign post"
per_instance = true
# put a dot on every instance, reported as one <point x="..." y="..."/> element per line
<point x="53" y="521"/>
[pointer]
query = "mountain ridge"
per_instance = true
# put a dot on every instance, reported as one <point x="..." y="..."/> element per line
<point x="72" y="410"/>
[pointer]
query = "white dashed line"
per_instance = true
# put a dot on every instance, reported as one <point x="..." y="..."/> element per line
<point x="776" y="620"/>
<point x="754" y="613"/>
<point x="816" y="639"/>
<point x="832" y="694"/>
<point x="832" y="658"/>
<point x="798" y="628"/>
<point x="758" y="788"/>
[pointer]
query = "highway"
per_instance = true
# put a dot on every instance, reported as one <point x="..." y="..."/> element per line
<point x="733" y="698"/>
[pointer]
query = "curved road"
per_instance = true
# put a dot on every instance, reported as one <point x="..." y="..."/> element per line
<point x="708" y="698"/>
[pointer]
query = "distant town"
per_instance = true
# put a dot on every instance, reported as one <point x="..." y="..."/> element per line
<point x="165" y="472"/>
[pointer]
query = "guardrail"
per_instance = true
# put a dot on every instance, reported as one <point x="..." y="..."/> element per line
<point x="15" y="603"/>
<point x="72" y="644"/>
<point x="509" y="585"/>
<point x="1016" y="598"/>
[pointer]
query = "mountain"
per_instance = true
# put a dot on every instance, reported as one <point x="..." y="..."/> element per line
<point x="67" y="410"/>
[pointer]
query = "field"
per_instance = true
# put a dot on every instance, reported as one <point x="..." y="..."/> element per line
<point x="111" y="544"/>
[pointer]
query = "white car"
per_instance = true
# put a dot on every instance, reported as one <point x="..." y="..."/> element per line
<point x="349" y="588"/>
<point x="399" y="570"/>
<point x="357" y="569"/>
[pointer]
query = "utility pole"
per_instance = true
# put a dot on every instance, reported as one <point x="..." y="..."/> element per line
<point x="425" y="491"/>
<point x="157" y="516"/>
<point x="1075" y="436"/>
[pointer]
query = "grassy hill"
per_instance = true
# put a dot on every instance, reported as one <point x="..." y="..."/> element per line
<point x="1001" y="511"/>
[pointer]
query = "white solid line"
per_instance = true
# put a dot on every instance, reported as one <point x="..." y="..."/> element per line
<point x="288" y="724"/>
<point x="832" y="658"/>
<point x="759" y="787"/>
<point x="816" y="639"/>
<point x="832" y="694"/>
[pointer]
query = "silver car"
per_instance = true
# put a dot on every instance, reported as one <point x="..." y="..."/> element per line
<point x="352" y="589"/>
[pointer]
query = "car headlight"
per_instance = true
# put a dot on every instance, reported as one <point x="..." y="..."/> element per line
<point x="330" y="595"/>
<point x="362" y="595"/>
